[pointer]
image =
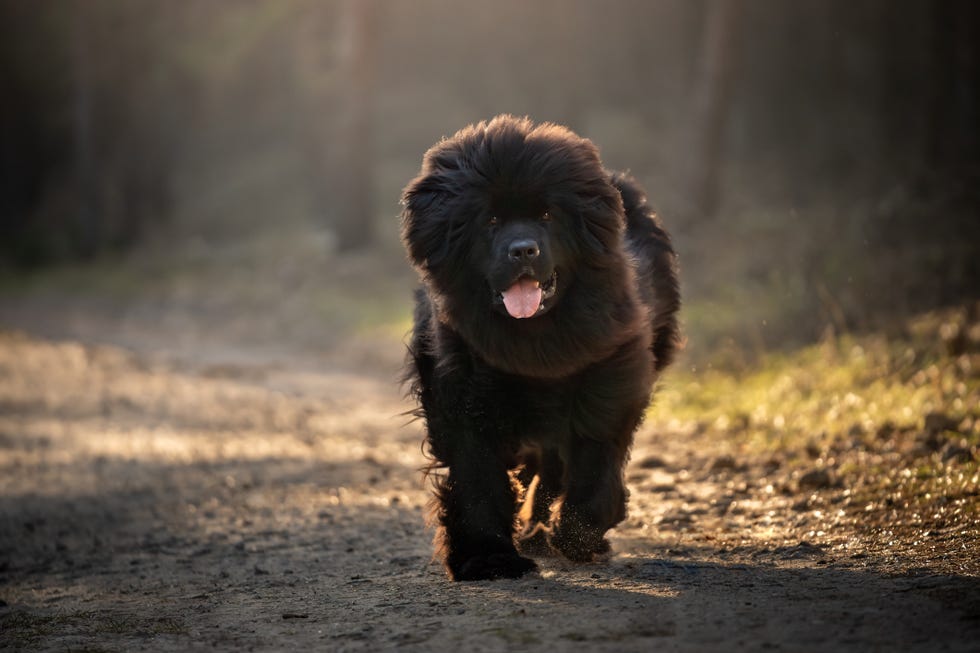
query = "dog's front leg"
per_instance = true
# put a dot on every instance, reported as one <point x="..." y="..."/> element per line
<point x="476" y="513"/>
<point x="595" y="499"/>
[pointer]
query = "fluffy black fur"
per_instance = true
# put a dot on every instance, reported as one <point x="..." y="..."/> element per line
<point x="539" y="409"/>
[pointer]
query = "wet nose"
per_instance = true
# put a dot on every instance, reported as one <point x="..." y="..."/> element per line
<point x="525" y="250"/>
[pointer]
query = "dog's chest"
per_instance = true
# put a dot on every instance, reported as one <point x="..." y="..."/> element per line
<point x="531" y="411"/>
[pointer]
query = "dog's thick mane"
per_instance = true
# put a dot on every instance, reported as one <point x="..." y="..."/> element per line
<point x="599" y="310"/>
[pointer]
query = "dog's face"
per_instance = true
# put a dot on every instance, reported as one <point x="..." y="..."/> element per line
<point x="511" y="214"/>
<point x="520" y="252"/>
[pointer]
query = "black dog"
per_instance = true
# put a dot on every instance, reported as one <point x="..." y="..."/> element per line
<point x="548" y="308"/>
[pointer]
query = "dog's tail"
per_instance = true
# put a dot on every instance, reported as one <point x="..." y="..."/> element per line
<point x="657" y="267"/>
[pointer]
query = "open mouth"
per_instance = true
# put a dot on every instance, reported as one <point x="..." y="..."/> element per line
<point x="526" y="296"/>
<point x="549" y="287"/>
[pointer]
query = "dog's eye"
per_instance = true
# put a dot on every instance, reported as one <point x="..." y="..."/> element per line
<point x="546" y="217"/>
<point x="492" y="221"/>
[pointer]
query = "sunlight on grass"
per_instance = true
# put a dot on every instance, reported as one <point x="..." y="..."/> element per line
<point x="894" y="421"/>
<point x="849" y="386"/>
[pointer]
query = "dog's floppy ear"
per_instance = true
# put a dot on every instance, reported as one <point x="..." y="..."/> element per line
<point x="603" y="220"/>
<point x="424" y="219"/>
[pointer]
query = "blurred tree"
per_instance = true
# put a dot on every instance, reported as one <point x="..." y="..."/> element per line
<point x="93" y="125"/>
<point x="953" y="122"/>
<point x="86" y="213"/>
<point x="337" y="89"/>
<point x="712" y="106"/>
<point x="355" y="169"/>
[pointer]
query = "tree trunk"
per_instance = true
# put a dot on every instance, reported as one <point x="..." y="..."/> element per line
<point x="712" y="100"/>
<point x="355" y="167"/>
<point x="953" y="138"/>
<point x="87" y="226"/>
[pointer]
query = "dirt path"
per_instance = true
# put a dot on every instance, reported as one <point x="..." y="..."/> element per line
<point x="156" y="499"/>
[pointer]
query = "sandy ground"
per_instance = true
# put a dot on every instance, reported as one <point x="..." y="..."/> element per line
<point x="164" y="497"/>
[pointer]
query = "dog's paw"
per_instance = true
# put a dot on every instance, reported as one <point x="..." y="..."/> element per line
<point x="494" y="565"/>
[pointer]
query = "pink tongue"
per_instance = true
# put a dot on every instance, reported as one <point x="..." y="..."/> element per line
<point x="523" y="298"/>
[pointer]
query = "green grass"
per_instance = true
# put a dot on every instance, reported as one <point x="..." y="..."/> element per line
<point x="896" y="419"/>
<point x="844" y="387"/>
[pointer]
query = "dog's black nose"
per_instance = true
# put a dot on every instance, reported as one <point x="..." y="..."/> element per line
<point x="525" y="250"/>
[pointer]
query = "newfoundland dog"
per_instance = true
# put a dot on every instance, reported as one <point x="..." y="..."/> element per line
<point x="547" y="309"/>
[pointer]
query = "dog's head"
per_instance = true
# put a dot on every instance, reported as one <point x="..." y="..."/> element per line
<point x="514" y="210"/>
